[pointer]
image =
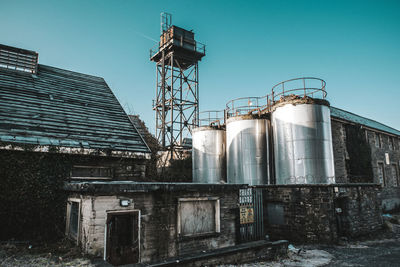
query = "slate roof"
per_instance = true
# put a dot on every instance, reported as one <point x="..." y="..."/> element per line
<point x="348" y="116"/>
<point x="62" y="108"/>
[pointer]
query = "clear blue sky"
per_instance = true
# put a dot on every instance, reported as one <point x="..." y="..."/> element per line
<point x="251" y="45"/>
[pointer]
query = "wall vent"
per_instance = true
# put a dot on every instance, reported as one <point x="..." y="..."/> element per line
<point x="18" y="59"/>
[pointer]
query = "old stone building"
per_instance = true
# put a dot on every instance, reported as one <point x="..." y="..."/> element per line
<point x="367" y="151"/>
<point x="57" y="125"/>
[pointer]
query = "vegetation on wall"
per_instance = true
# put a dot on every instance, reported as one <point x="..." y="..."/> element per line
<point x="32" y="202"/>
<point x="359" y="167"/>
<point x="178" y="170"/>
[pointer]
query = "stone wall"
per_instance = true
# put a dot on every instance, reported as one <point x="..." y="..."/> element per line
<point x="308" y="213"/>
<point x="339" y="151"/>
<point x="159" y="214"/>
<point x="381" y="146"/>
<point x="390" y="197"/>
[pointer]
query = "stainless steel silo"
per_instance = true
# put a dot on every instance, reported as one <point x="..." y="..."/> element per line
<point x="302" y="140"/>
<point x="208" y="155"/>
<point x="247" y="150"/>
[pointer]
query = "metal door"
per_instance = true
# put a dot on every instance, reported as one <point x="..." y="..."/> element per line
<point x="251" y="226"/>
<point x="122" y="245"/>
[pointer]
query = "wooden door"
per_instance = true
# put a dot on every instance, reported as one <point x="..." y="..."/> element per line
<point x="122" y="245"/>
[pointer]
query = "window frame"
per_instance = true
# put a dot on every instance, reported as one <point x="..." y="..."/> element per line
<point x="395" y="178"/>
<point x="377" y="140"/>
<point x="383" y="173"/>
<point x="217" y="217"/>
<point x="112" y="171"/>
<point x="68" y="220"/>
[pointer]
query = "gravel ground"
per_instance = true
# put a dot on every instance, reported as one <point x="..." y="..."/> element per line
<point x="383" y="249"/>
<point x="63" y="253"/>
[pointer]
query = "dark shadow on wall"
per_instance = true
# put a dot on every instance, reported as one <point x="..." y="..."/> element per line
<point x="358" y="165"/>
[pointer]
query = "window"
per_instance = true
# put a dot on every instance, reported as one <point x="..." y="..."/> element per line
<point x="395" y="175"/>
<point x="391" y="144"/>
<point x="378" y="140"/>
<point x="198" y="216"/>
<point x="91" y="172"/>
<point x="73" y="216"/>
<point x="381" y="173"/>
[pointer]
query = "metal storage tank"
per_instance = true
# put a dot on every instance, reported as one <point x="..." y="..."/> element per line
<point x="247" y="150"/>
<point x="302" y="140"/>
<point x="208" y="155"/>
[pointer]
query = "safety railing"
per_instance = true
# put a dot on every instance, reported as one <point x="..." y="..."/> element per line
<point x="299" y="87"/>
<point x="302" y="87"/>
<point x="246" y="105"/>
<point x="212" y="118"/>
<point x="197" y="46"/>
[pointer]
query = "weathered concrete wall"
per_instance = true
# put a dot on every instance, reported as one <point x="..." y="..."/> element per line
<point x="158" y="228"/>
<point x="309" y="212"/>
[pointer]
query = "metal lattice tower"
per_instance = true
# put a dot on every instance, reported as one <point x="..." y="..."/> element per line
<point x="176" y="104"/>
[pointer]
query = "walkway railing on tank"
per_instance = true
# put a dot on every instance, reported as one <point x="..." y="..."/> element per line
<point x="306" y="86"/>
<point x="246" y="105"/>
<point x="212" y="118"/>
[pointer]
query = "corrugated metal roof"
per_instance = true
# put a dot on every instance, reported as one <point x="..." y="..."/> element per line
<point x="348" y="116"/>
<point x="57" y="107"/>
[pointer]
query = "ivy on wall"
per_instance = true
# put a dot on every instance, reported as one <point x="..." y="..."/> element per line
<point x="32" y="202"/>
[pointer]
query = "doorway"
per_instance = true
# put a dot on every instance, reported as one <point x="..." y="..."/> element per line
<point x="123" y="237"/>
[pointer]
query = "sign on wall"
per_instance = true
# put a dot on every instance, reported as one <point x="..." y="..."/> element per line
<point x="246" y="214"/>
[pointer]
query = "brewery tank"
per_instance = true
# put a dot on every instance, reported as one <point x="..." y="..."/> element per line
<point x="247" y="150"/>
<point x="302" y="141"/>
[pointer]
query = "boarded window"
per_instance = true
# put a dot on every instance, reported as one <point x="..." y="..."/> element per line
<point x="91" y="172"/>
<point x="73" y="219"/>
<point x="275" y="213"/>
<point x="198" y="216"/>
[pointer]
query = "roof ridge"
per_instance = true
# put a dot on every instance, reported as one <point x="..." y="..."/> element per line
<point x="70" y="71"/>
<point x="366" y="118"/>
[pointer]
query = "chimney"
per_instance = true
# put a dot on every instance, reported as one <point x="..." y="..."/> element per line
<point x="18" y="59"/>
